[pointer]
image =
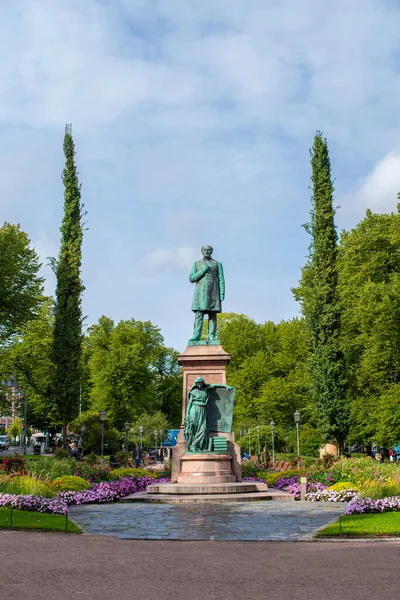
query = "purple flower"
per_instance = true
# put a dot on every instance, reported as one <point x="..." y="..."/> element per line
<point x="99" y="492"/>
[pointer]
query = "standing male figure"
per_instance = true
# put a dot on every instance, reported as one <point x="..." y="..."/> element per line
<point x="208" y="275"/>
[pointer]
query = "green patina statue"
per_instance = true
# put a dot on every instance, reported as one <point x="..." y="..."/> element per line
<point x="208" y="276"/>
<point x="196" y="421"/>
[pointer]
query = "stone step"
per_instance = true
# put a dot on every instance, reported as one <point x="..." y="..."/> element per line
<point x="201" y="498"/>
<point x="243" y="487"/>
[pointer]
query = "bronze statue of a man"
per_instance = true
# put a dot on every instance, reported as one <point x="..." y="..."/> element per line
<point x="209" y="292"/>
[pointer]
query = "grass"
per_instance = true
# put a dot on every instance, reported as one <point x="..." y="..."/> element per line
<point x="370" y="525"/>
<point x="33" y="520"/>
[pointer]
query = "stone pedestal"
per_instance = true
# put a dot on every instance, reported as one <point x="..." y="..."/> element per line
<point x="207" y="361"/>
<point x="199" y="360"/>
<point x="206" y="468"/>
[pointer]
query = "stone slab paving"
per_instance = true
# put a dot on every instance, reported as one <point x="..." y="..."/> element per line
<point x="264" y="521"/>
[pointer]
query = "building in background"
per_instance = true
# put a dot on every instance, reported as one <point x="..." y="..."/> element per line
<point x="15" y="397"/>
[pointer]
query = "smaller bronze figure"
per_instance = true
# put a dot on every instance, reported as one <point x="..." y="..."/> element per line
<point x="196" y="422"/>
<point x="208" y="275"/>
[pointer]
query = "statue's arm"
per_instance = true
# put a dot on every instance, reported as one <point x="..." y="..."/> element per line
<point x="197" y="275"/>
<point x="221" y="280"/>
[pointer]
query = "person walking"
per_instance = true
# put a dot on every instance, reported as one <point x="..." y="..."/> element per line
<point x="137" y="455"/>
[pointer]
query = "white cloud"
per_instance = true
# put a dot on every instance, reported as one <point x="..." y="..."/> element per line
<point x="378" y="190"/>
<point x="177" y="259"/>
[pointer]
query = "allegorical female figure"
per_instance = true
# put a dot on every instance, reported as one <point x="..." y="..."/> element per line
<point x="196" y="423"/>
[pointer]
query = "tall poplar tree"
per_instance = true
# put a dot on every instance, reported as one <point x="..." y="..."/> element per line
<point x="318" y="295"/>
<point x="67" y="344"/>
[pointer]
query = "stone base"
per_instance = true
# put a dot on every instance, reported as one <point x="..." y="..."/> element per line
<point x="206" y="468"/>
<point x="244" y="487"/>
<point x="199" y="496"/>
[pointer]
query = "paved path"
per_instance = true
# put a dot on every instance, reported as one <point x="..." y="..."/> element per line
<point x="48" y="566"/>
<point x="243" y="521"/>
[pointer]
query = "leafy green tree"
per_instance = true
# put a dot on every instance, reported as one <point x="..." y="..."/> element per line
<point x="21" y="288"/>
<point x="268" y="370"/>
<point x="87" y="425"/>
<point x="130" y="370"/>
<point x="149" y="422"/>
<point x="318" y="295"/>
<point x="29" y="359"/>
<point x="14" y="429"/>
<point x="369" y="283"/>
<point x="168" y="385"/>
<point x="67" y="345"/>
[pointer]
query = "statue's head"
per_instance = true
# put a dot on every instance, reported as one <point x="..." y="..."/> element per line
<point x="207" y="251"/>
<point x="199" y="382"/>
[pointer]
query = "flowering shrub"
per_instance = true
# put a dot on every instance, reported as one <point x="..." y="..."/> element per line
<point x="14" y="464"/>
<point x="367" y="505"/>
<point x="123" y="458"/>
<point x="70" y="483"/>
<point x="99" y="492"/>
<point x="93" y="473"/>
<point x="328" y="495"/>
<point x="283" y="482"/>
<point x="328" y="459"/>
<point x="342" y="485"/>
<point x="34" y="503"/>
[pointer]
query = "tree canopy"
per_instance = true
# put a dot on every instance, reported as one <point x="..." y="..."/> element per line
<point x="21" y="288"/>
<point x="67" y="335"/>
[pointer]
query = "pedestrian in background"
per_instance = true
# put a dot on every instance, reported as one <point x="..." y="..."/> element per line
<point x="137" y="455"/>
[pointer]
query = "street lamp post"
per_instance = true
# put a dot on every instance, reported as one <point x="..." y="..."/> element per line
<point x="272" y="425"/>
<point x="249" y="432"/>
<point x="127" y="436"/>
<point x="102" y="416"/>
<point x="258" y="440"/>
<point x="297" y="421"/>
<point x="25" y="416"/>
<point x="141" y="436"/>
<point x="155" y="435"/>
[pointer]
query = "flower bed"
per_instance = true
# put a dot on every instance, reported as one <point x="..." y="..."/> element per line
<point x="367" y="505"/>
<point x="99" y="492"/>
<point x="326" y="495"/>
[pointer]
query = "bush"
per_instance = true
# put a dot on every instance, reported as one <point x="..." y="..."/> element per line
<point x="117" y="474"/>
<point x="70" y="483"/>
<point x="61" y="453"/>
<point x="380" y="488"/>
<point x="123" y="458"/>
<point x="342" y="485"/>
<point x="93" y="473"/>
<point x="25" y="485"/>
<point x="272" y="478"/>
<point x="14" y="464"/>
<point x="250" y="469"/>
<point x="49" y="467"/>
<point x="328" y="459"/>
<point x="306" y="461"/>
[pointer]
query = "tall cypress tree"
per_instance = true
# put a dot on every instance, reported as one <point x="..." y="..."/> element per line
<point x="318" y="294"/>
<point x="67" y="344"/>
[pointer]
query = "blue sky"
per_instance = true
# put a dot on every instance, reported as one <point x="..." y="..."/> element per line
<point x="193" y="122"/>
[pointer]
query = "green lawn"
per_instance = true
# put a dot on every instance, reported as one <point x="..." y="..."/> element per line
<point x="370" y="525"/>
<point x="22" y="519"/>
